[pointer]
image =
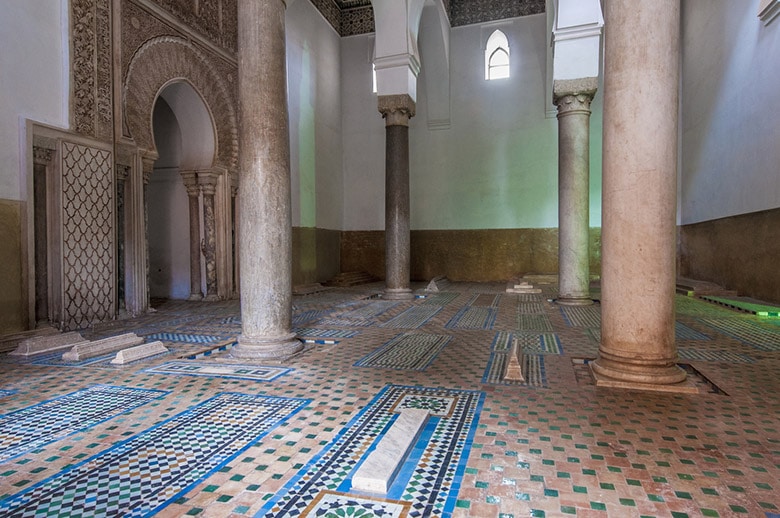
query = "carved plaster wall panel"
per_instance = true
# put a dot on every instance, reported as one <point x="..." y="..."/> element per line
<point x="357" y="21"/>
<point x="91" y="67"/>
<point x="163" y="59"/>
<point x="466" y="12"/>
<point x="214" y="19"/>
<point x="88" y="248"/>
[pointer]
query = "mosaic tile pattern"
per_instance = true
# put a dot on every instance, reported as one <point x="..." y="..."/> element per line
<point x="29" y="428"/>
<point x="568" y="449"/>
<point x="436" y="462"/>
<point x="183" y="337"/>
<point x="546" y="343"/>
<point x="219" y="370"/>
<point x="473" y="318"/>
<point x="684" y="332"/>
<point x="531" y="365"/>
<point x="487" y="300"/>
<point x="440" y="299"/>
<point x="413" y="317"/>
<point x="582" y="316"/>
<point x="746" y="331"/>
<point x="686" y="353"/>
<point x="324" y="333"/>
<point x="369" y="311"/>
<point x="534" y="323"/>
<point x="138" y="476"/>
<point x="408" y="351"/>
<point x="6" y="393"/>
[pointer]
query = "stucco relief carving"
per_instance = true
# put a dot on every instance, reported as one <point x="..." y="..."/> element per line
<point x="168" y="58"/>
<point x="91" y="67"/>
<point x="215" y="19"/>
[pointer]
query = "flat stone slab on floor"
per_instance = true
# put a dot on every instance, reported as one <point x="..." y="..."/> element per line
<point x="377" y="472"/>
<point x="47" y="343"/>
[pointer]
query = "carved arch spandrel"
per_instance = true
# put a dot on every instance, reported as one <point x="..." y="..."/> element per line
<point x="167" y="58"/>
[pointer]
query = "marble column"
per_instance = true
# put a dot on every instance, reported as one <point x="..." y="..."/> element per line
<point x="122" y="174"/>
<point x="265" y="218"/>
<point x="641" y="78"/>
<point x="208" y="186"/>
<point x="190" y="179"/>
<point x="573" y="98"/>
<point x="397" y="110"/>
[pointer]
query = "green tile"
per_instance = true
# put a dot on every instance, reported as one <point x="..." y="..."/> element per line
<point x="633" y="482"/>
<point x="567" y="509"/>
<point x="607" y="485"/>
<point x="598" y="506"/>
<point x="493" y="499"/>
<point x="551" y="492"/>
<point x="655" y="498"/>
<point x="709" y="512"/>
<point x="481" y="485"/>
<point x="463" y="504"/>
<point x="210" y="489"/>
<point x="738" y="509"/>
<point x="683" y="494"/>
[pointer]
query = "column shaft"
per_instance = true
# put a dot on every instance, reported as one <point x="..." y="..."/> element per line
<point x="208" y="185"/>
<point x="193" y="191"/>
<point x="265" y="217"/>
<point x="639" y="193"/>
<point x="574" y="189"/>
<point x="397" y="110"/>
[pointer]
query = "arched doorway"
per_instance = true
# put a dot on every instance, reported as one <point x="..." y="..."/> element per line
<point x="184" y="136"/>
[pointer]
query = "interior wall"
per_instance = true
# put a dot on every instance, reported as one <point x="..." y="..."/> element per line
<point x="168" y="212"/>
<point x="33" y="85"/>
<point x="729" y="188"/>
<point x="494" y="167"/>
<point x="314" y="99"/>
<point x="730" y="129"/>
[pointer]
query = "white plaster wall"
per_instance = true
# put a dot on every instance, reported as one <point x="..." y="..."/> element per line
<point x="168" y="212"/>
<point x="495" y="167"/>
<point x="730" y="105"/>
<point x="314" y="99"/>
<point x="33" y="79"/>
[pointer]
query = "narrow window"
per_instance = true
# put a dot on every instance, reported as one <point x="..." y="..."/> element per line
<point x="373" y="77"/>
<point x="497" y="56"/>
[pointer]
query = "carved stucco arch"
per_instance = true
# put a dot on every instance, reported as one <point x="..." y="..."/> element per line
<point x="156" y="64"/>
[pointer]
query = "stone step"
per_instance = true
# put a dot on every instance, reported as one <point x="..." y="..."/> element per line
<point x="139" y="352"/>
<point x="108" y="345"/>
<point x="377" y="472"/>
<point x="48" y="343"/>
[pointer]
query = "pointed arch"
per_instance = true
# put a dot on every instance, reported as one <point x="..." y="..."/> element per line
<point x="497" y="56"/>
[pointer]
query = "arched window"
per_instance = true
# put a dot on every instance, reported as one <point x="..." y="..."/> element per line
<point x="497" y="56"/>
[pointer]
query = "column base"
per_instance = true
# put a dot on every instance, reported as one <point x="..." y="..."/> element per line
<point x="195" y="297"/>
<point x="574" y="301"/>
<point x="277" y="348"/>
<point x="609" y="370"/>
<point x="398" y="294"/>
<point x="211" y="298"/>
<point x="683" y="387"/>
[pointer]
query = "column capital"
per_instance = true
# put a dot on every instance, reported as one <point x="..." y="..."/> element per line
<point x="208" y="182"/>
<point x="122" y="172"/>
<point x="396" y="109"/>
<point x="190" y="179"/>
<point x="42" y="155"/>
<point x="571" y="95"/>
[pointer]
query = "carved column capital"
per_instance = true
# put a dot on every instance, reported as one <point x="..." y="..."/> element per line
<point x="42" y="155"/>
<point x="574" y="95"/>
<point x="190" y="179"/>
<point x="397" y="109"/>
<point x="122" y="172"/>
<point x="147" y="165"/>
<point x="208" y="182"/>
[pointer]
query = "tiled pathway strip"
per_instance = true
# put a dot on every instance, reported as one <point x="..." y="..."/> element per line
<point x="139" y="476"/>
<point x="220" y="370"/>
<point x="408" y="351"/>
<point x="32" y="427"/>
<point x="429" y="481"/>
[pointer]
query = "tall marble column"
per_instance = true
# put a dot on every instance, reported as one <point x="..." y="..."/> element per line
<point x="641" y="76"/>
<point x="265" y="224"/>
<point x="190" y="179"/>
<point x="573" y="98"/>
<point x="208" y="186"/>
<point x="397" y="110"/>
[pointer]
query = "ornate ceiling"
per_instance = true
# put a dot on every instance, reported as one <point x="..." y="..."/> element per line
<point x="351" y="17"/>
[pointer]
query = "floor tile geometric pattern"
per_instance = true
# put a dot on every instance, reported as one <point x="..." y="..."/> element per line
<point x="473" y="318"/>
<point x="219" y="370"/>
<point x="582" y="316"/>
<point x="567" y="448"/>
<point x="413" y="318"/>
<point x="29" y="428"/>
<point x="747" y="331"/>
<point x="410" y="351"/>
<point x="137" y="477"/>
<point x="428" y="482"/>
